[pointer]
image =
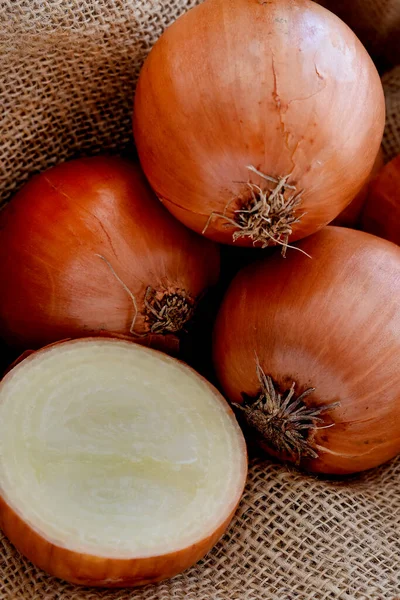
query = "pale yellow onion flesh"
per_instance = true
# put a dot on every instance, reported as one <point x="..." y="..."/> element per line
<point x="117" y="451"/>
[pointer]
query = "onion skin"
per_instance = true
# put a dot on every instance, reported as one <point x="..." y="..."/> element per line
<point x="53" y="234"/>
<point x="331" y="323"/>
<point x="170" y="346"/>
<point x="381" y="213"/>
<point x="274" y="85"/>
<point x="351" y="215"/>
<point x="100" y="571"/>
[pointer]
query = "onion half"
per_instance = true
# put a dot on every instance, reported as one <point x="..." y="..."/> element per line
<point x="86" y="247"/>
<point x="119" y="465"/>
<point x="309" y="351"/>
<point x="258" y="122"/>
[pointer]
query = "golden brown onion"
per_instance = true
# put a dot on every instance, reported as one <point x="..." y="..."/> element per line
<point x="310" y="351"/>
<point x="258" y="122"/>
<point x="381" y="213"/>
<point x="86" y="247"/>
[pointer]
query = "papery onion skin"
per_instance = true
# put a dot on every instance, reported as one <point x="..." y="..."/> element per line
<point x="67" y="237"/>
<point x="99" y="571"/>
<point x="331" y="323"/>
<point x="351" y="215"/>
<point x="283" y="86"/>
<point x="381" y="212"/>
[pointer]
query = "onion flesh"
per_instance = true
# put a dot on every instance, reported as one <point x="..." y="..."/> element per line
<point x="119" y="465"/>
<point x="327" y="327"/>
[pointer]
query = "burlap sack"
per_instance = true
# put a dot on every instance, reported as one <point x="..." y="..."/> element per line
<point x="68" y="69"/>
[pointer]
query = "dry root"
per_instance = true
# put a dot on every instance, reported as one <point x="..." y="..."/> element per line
<point x="170" y="313"/>
<point x="268" y="216"/>
<point x="284" y="421"/>
<point x="165" y="312"/>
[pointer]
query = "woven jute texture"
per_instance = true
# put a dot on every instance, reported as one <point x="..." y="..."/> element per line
<point x="294" y="538"/>
<point x="67" y="75"/>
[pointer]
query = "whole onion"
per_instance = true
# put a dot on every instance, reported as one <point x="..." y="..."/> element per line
<point x="381" y="212"/>
<point x="85" y="247"/>
<point x="258" y="122"/>
<point x="309" y="351"/>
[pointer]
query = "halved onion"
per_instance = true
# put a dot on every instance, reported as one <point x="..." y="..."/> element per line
<point x="119" y="465"/>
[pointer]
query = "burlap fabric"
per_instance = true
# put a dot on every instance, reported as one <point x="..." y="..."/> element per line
<point x="68" y="69"/>
<point x="294" y="538"/>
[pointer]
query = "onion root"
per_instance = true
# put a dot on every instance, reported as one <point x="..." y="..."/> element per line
<point x="165" y="312"/>
<point x="170" y="313"/>
<point x="268" y="215"/>
<point x="284" y="422"/>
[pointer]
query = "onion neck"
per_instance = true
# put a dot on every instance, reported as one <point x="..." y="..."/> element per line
<point x="283" y="422"/>
<point x="168" y="312"/>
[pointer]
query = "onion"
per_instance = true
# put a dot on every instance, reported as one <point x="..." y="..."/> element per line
<point x="309" y="350"/>
<point x="351" y="215"/>
<point x="381" y="214"/>
<point x="119" y="465"/>
<point x="85" y="247"/>
<point x="258" y="122"/>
